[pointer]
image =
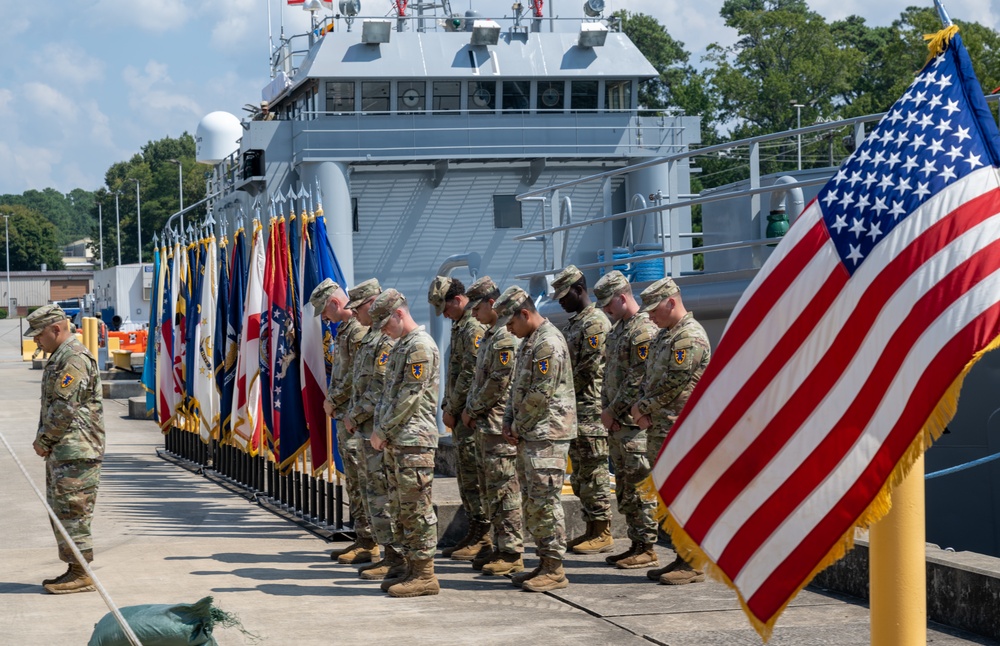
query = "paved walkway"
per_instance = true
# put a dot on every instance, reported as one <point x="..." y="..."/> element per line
<point x="165" y="535"/>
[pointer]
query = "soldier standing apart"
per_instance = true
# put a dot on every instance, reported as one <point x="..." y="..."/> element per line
<point x="677" y="361"/>
<point x="71" y="439"/>
<point x="484" y="409"/>
<point x="370" y="365"/>
<point x="627" y="353"/>
<point x="330" y="301"/>
<point x="588" y="453"/>
<point x="541" y="418"/>
<point x="406" y="428"/>
<point x="447" y="296"/>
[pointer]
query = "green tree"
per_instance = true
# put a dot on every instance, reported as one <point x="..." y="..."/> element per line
<point x="69" y="213"/>
<point x="33" y="240"/>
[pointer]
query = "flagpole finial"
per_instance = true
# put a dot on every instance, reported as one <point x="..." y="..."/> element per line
<point x="942" y="13"/>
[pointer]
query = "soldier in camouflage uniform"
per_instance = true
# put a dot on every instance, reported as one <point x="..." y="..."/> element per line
<point x="541" y="417"/>
<point x="677" y="361"/>
<point x="586" y="335"/>
<point x="406" y="428"/>
<point x="71" y="439"/>
<point x="330" y="302"/>
<point x="627" y="352"/>
<point x="369" y="379"/>
<point x="447" y="297"/>
<point x="484" y="409"/>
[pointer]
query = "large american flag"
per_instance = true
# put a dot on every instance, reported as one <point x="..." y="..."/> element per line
<point x="846" y="353"/>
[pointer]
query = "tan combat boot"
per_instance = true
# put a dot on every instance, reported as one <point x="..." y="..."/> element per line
<point x="380" y="569"/>
<point x="552" y="577"/>
<point x="519" y="579"/>
<point x="587" y="535"/>
<point x="681" y="574"/>
<point x="486" y="555"/>
<point x="397" y="574"/>
<point x="61" y="577"/>
<point x="654" y="575"/>
<point x="614" y="558"/>
<point x="77" y="581"/>
<point x="599" y="541"/>
<point x="474" y="532"/>
<point x="335" y="554"/>
<point x="422" y="582"/>
<point x="504" y="563"/>
<point x="479" y="542"/>
<point x="366" y="551"/>
<point x="644" y="556"/>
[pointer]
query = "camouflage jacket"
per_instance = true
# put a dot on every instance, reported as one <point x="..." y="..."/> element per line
<point x="675" y="365"/>
<point x="370" y="364"/>
<point x="586" y="337"/>
<point x="346" y="344"/>
<point x="542" y="405"/>
<point x="466" y="337"/>
<point x="628" y="350"/>
<point x="71" y="420"/>
<point x="495" y="363"/>
<point x="406" y="414"/>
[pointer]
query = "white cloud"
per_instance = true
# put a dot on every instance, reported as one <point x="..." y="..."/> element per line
<point x="149" y="15"/>
<point x="68" y="62"/>
<point x="27" y="167"/>
<point x="235" y="25"/>
<point x="46" y="101"/>
<point x="6" y="102"/>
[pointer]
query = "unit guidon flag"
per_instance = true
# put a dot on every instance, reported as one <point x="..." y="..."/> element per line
<point x="844" y="358"/>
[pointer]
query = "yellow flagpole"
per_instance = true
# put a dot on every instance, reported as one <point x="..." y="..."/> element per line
<point x="897" y="569"/>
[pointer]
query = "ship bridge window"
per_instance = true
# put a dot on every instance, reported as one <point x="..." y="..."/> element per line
<point x="411" y="97"/>
<point x="447" y="95"/>
<point x="506" y="212"/>
<point x="340" y="96"/>
<point x="583" y="96"/>
<point x="482" y="97"/>
<point x="375" y="96"/>
<point x="551" y="96"/>
<point x="516" y="96"/>
<point x="619" y="95"/>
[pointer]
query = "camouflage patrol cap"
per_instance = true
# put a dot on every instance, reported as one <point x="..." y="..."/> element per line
<point x="437" y="291"/>
<point x="385" y="304"/>
<point x="362" y="292"/>
<point x="610" y="285"/>
<point x="321" y="295"/>
<point x="657" y="292"/>
<point x="509" y="303"/>
<point x="564" y="280"/>
<point x="479" y="290"/>
<point x="43" y="317"/>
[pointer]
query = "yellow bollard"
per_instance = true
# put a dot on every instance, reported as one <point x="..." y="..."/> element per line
<point x="90" y="334"/>
<point x="898" y="569"/>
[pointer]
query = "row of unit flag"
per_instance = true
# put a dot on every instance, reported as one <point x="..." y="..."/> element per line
<point x="240" y="355"/>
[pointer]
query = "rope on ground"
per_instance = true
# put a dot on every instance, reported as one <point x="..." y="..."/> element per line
<point x="133" y="639"/>
<point x="962" y="467"/>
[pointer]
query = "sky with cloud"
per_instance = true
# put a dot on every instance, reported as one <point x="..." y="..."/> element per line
<point x="88" y="84"/>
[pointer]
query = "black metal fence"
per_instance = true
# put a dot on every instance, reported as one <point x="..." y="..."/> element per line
<point x="313" y="500"/>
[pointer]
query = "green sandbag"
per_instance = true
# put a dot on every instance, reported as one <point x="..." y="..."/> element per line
<point x="163" y="625"/>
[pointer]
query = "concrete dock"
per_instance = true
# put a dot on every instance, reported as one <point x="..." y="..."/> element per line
<point x="166" y="535"/>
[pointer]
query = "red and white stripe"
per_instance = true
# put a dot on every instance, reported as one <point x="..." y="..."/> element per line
<point x="822" y="381"/>
<point x="247" y="422"/>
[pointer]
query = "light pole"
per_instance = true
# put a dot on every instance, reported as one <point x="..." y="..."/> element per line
<point x="100" y="231"/>
<point x="798" y="124"/>
<point x="138" y="215"/>
<point x="118" y="228"/>
<point x="6" y="237"/>
<point x="180" y="187"/>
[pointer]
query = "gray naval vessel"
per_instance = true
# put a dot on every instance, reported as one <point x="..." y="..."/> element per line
<point x="445" y="143"/>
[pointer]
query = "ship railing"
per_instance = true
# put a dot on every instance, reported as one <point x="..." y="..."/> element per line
<point x="670" y="209"/>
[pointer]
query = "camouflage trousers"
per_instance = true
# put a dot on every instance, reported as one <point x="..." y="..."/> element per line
<point x="71" y="491"/>
<point x="466" y="455"/>
<point x="416" y="520"/>
<point x="628" y="455"/>
<point x="375" y="488"/>
<point x="544" y="465"/>
<point x="501" y="491"/>
<point x="389" y="468"/>
<point x="655" y="437"/>
<point x="591" y="479"/>
<point x="349" y="447"/>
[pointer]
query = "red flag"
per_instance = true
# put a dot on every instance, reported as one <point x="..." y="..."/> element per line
<point x="296" y="1"/>
<point x="845" y="356"/>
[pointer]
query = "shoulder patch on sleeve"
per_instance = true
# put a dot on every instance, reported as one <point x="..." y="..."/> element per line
<point x="418" y="355"/>
<point x="67" y="380"/>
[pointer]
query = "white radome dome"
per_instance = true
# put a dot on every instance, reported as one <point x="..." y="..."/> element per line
<point x="218" y="136"/>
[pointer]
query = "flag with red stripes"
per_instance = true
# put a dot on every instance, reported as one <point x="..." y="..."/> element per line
<point x="844" y="358"/>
